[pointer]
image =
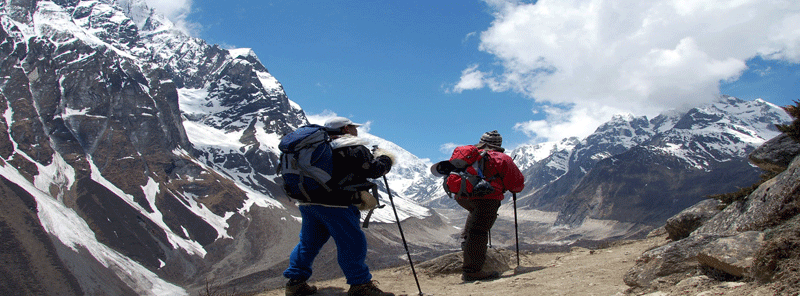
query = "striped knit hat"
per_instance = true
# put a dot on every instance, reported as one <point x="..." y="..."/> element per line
<point x="491" y="140"/>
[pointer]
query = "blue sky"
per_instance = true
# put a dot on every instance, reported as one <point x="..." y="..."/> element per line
<point x="431" y="74"/>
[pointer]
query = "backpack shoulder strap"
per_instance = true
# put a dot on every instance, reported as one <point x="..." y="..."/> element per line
<point x="487" y="158"/>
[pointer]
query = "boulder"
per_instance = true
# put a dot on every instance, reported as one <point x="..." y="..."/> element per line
<point x="675" y="257"/>
<point x="682" y="224"/>
<point x="694" y="282"/>
<point x="734" y="255"/>
<point x="776" y="154"/>
<point x="728" y="241"/>
<point x="774" y="201"/>
<point x="496" y="260"/>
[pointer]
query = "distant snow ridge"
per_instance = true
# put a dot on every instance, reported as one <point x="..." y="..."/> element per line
<point x="724" y="130"/>
<point x="721" y="131"/>
<point x="157" y="153"/>
<point x="699" y="138"/>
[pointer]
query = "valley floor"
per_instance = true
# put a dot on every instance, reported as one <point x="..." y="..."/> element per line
<point x="578" y="272"/>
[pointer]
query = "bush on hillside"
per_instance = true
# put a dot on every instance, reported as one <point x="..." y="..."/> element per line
<point x="792" y="129"/>
<point x="742" y="193"/>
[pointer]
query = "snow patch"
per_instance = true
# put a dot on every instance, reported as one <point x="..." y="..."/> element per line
<point x="58" y="173"/>
<point x="205" y="136"/>
<point x="192" y="247"/>
<point x="63" y="223"/>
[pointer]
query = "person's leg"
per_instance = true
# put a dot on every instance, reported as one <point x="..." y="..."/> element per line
<point x="313" y="235"/>
<point x="479" y="221"/>
<point x="351" y="243"/>
<point x="467" y="204"/>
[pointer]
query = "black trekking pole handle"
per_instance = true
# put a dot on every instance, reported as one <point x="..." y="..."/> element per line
<point x="516" y="230"/>
<point x="389" y="191"/>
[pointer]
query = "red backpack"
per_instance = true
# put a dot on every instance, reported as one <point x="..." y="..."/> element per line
<point x="467" y="178"/>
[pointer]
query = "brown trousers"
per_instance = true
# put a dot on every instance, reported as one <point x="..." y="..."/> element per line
<point x="482" y="214"/>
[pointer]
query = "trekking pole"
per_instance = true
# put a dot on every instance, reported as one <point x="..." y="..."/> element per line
<point x="403" y="236"/>
<point x="516" y="230"/>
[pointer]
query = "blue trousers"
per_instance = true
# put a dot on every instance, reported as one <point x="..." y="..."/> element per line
<point x="321" y="223"/>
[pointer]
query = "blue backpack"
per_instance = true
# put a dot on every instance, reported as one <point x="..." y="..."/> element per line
<point x="306" y="162"/>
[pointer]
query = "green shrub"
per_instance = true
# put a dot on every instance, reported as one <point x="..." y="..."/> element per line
<point x="742" y="193"/>
<point x="792" y="129"/>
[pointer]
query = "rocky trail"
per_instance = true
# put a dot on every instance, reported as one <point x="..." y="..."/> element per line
<point x="578" y="272"/>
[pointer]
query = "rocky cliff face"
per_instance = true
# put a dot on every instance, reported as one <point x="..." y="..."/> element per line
<point x="88" y="125"/>
<point x="752" y="236"/>
<point x="137" y="160"/>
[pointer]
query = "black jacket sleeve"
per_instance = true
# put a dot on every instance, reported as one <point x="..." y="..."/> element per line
<point x="372" y="167"/>
<point x="353" y="166"/>
<point x="358" y="164"/>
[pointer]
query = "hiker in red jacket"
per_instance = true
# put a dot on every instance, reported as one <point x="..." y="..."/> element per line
<point x="503" y="175"/>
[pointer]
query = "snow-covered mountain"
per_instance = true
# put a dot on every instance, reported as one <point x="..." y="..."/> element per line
<point x="143" y="159"/>
<point x="138" y="160"/>
<point x="633" y="173"/>
<point x="702" y="151"/>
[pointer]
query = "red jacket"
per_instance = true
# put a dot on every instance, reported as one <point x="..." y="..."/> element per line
<point x="499" y="170"/>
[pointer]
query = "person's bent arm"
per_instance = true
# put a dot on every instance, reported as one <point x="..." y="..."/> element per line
<point x="513" y="180"/>
<point x="372" y="167"/>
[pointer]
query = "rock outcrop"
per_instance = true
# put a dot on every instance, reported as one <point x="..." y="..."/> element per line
<point x="496" y="260"/>
<point x="682" y="224"/>
<point x="725" y="244"/>
<point x="776" y="154"/>
<point x="734" y="255"/>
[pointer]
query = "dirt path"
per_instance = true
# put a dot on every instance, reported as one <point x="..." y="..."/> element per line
<point x="579" y="272"/>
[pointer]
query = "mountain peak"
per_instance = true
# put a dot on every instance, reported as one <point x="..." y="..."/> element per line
<point x="243" y="53"/>
<point x="135" y="145"/>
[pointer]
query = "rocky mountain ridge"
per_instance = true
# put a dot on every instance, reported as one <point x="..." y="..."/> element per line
<point x="745" y="245"/>
<point x="707" y="145"/>
<point x="751" y="236"/>
<point x="146" y="157"/>
<point x="137" y="160"/>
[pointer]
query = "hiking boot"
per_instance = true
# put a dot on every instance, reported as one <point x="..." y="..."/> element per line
<point x="478" y="276"/>
<point x="299" y="288"/>
<point x="368" y="289"/>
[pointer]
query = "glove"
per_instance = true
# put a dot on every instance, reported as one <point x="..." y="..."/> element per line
<point x="368" y="201"/>
<point x="378" y="152"/>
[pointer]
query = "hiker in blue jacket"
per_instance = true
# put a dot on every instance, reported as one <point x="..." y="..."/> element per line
<point x="338" y="217"/>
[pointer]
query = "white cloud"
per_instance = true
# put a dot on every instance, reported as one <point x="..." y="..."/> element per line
<point x="321" y="117"/>
<point x="171" y="8"/>
<point x="448" y="148"/>
<point x="634" y="56"/>
<point x="177" y="11"/>
<point x="559" y="123"/>
<point x="471" y="78"/>
<point x="469" y="36"/>
<point x="328" y="114"/>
